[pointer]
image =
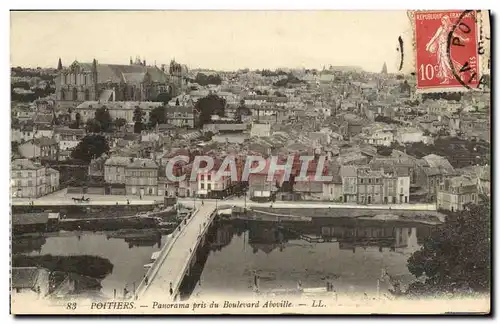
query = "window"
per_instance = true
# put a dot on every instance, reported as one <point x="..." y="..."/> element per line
<point x="209" y="177"/>
<point x="209" y="186"/>
<point x="361" y="181"/>
<point x="30" y="183"/>
<point x="202" y="176"/>
<point x="30" y="174"/>
<point x="369" y="180"/>
<point x="202" y="185"/>
<point x="473" y="197"/>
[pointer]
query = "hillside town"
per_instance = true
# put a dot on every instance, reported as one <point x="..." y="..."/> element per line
<point x="310" y="178"/>
<point x="108" y="129"/>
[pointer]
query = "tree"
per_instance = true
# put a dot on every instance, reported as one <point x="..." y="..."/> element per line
<point x="203" y="80"/>
<point x="78" y="120"/>
<point x="90" y="147"/>
<point x="120" y="122"/>
<point x="93" y="126"/>
<point x="456" y="257"/>
<point x="138" y="119"/>
<point x="103" y="117"/>
<point x="208" y="106"/>
<point x="158" y="116"/>
<point x="164" y="97"/>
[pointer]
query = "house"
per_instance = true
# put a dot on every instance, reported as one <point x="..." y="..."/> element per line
<point x="28" y="179"/>
<point x="403" y="186"/>
<point x="29" y="281"/>
<point x="332" y="190"/>
<point x="370" y="186"/>
<point x="114" y="174"/>
<point x="435" y="170"/>
<point x="377" y="135"/>
<point x="310" y="188"/>
<point x="117" y="109"/>
<point x="53" y="180"/>
<point x="182" y="115"/>
<point x="409" y="135"/>
<point x="212" y="186"/>
<point x="260" y="130"/>
<point x="43" y="148"/>
<point x="263" y="187"/>
<point x="68" y="138"/>
<point x="26" y="132"/>
<point x="225" y="128"/>
<point x="43" y="119"/>
<point x="390" y="186"/>
<point x="349" y="175"/>
<point x="141" y="177"/>
<point x="454" y="193"/>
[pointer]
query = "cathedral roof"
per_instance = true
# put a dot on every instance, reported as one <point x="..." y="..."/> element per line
<point x="116" y="73"/>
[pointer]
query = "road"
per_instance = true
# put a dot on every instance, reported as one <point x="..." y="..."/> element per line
<point x="172" y="266"/>
<point x="306" y="204"/>
<point x="63" y="198"/>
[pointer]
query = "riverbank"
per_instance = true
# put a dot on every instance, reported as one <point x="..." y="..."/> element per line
<point x="418" y="216"/>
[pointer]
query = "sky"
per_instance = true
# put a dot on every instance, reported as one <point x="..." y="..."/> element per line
<point x="219" y="40"/>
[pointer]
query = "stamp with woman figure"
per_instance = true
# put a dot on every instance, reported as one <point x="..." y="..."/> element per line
<point x="447" y="52"/>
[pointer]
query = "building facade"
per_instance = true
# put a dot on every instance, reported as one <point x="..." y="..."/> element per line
<point x="93" y="81"/>
<point x="41" y="148"/>
<point x="31" y="180"/>
<point x="141" y="177"/>
<point x="456" y="192"/>
<point x="370" y="186"/>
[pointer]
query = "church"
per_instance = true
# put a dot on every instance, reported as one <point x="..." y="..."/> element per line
<point x="112" y="82"/>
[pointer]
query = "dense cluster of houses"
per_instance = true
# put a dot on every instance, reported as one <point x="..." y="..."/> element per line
<point x="342" y="115"/>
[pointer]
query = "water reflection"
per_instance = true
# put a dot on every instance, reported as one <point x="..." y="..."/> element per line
<point x="128" y="255"/>
<point x="352" y="251"/>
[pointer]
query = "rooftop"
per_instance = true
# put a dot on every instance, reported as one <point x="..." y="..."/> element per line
<point x="25" y="164"/>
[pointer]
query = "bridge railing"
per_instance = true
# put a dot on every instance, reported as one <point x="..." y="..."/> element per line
<point x="151" y="273"/>
<point x="180" y="275"/>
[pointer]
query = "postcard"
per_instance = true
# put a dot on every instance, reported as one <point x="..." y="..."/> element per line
<point x="250" y="162"/>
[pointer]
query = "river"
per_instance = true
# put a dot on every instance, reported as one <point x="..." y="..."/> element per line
<point x="128" y="259"/>
<point x="354" y="254"/>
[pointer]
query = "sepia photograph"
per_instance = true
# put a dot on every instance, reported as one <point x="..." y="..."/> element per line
<point x="171" y="162"/>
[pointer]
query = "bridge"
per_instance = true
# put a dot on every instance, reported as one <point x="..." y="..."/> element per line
<point x="177" y="256"/>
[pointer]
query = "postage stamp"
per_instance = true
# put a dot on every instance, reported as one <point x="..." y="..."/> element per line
<point x="447" y="56"/>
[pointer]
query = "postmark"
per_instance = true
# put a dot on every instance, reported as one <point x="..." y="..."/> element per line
<point x="447" y="55"/>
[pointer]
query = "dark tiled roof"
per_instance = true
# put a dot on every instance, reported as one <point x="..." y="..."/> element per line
<point x="120" y="73"/>
<point x="30" y="218"/>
